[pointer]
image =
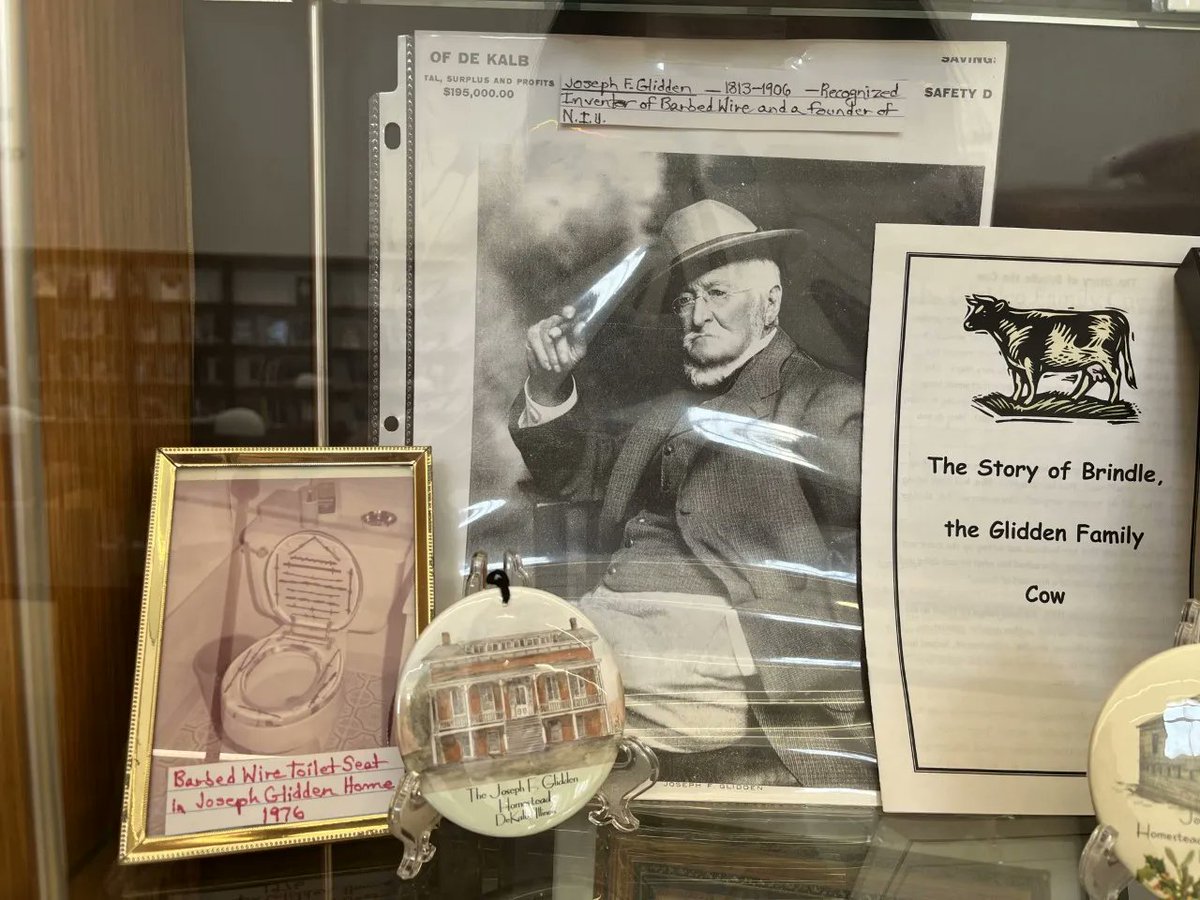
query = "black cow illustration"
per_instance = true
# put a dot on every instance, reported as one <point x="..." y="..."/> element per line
<point x="1036" y="341"/>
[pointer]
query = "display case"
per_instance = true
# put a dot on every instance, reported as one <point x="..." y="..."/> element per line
<point x="216" y="218"/>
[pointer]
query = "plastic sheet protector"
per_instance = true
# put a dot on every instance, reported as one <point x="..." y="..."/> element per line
<point x="638" y="321"/>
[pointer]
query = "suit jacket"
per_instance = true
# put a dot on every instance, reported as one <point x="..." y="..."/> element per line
<point x="770" y="488"/>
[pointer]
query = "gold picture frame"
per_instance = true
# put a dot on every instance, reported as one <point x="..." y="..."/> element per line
<point x="255" y="512"/>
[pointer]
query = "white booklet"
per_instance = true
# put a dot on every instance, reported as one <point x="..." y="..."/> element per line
<point x="549" y="168"/>
<point x="1029" y="502"/>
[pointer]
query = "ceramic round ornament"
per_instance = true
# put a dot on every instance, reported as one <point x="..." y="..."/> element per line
<point x="1144" y="771"/>
<point x="510" y="712"/>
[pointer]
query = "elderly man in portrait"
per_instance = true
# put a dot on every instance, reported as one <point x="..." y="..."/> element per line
<point x="734" y="616"/>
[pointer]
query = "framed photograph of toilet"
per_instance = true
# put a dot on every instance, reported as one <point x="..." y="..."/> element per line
<point x="283" y="590"/>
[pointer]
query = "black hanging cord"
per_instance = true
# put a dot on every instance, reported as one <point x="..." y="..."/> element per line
<point x="497" y="578"/>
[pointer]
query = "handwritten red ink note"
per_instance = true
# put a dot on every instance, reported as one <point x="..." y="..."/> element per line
<point x="279" y="790"/>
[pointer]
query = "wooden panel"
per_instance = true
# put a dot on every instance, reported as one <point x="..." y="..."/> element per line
<point x="16" y="838"/>
<point x="17" y="860"/>
<point x="113" y="288"/>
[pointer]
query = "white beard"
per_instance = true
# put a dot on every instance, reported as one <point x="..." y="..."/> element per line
<point x="704" y="376"/>
<point x="710" y="376"/>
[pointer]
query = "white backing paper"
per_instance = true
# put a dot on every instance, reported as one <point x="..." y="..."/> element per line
<point x="479" y="98"/>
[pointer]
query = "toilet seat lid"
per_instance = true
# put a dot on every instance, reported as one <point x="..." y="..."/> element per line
<point x="312" y="578"/>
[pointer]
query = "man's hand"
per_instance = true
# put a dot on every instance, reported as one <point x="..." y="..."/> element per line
<point x="553" y="348"/>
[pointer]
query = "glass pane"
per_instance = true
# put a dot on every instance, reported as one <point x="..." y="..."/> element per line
<point x="250" y="164"/>
<point x="165" y="290"/>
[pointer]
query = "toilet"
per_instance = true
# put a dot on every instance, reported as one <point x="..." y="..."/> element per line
<point x="285" y="690"/>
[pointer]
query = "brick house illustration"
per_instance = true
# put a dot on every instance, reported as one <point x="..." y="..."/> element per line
<point x="515" y="694"/>
<point x="1169" y="755"/>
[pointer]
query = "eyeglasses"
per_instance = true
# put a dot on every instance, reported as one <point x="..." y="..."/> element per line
<point x="716" y="298"/>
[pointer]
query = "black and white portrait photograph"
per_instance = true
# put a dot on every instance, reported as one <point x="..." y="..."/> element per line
<point x="667" y="425"/>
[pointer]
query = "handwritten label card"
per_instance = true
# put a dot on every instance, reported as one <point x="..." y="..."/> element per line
<point x="742" y="99"/>
<point x="275" y="790"/>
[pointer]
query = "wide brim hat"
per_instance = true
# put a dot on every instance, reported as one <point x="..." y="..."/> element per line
<point x="822" y="311"/>
<point x="710" y="234"/>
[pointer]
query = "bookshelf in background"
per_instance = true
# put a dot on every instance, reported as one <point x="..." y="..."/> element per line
<point x="253" y="353"/>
